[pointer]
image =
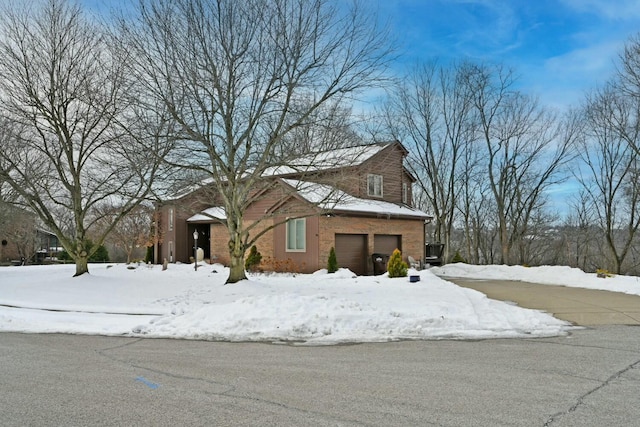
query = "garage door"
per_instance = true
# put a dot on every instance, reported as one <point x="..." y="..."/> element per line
<point x="386" y="243"/>
<point x="351" y="252"/>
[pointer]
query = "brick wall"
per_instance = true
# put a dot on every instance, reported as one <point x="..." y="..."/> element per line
<point x="412" y="232"/>
<point x="219" y="241"/>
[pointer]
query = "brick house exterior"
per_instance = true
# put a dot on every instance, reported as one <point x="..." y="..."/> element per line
<point x="368" y="210"/>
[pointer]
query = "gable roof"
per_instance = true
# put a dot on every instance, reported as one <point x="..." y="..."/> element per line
<point x="328" y="160"/>
<point x="209" y="214"/>
<point x="329" y="200"/>
<point x="335" y="201"/>
<point x="312" y="162"/>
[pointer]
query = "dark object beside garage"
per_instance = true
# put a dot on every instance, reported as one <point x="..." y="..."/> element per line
<point x="434" y="254"/>
<point x="379" y="263"/>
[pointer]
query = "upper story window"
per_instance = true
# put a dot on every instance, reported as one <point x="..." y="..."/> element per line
<point x="171" y="219"/>
<point x="296" y="235"/>
<point x="374" y="185"/>
<point x="405" y="193"/>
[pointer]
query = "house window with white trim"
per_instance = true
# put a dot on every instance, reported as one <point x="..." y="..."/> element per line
<point x="405" y="193"/>
<point x="374" y="185"/>
<point x="296" y="235"/>
<point x="171" y="219"/>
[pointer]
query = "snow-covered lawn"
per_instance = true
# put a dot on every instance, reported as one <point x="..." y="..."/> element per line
<point x="315" y="308"/>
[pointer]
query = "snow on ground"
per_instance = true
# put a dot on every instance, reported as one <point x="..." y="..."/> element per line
<point x="546" y="275"/>
<point x="316" y="309"/>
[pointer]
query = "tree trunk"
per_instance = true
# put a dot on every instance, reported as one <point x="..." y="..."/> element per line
<point x="236" y="270"/>
<point x="82" y="265"/>
<point x="236" y="252"/>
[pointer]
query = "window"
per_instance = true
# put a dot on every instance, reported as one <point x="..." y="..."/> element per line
<point x="374" y="185"/>
<point x="171" y="219"/>
<point x="170" y="251"/>
<point x="405" y="193"/>
<point x="296" y="235"/>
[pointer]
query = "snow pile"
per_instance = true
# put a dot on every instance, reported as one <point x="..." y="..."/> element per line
<point x="318" y="308"/>
<point x="546" y="275"/>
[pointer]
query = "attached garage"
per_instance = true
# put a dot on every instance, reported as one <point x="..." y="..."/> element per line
<point x="386" y="243"/>
<point x="351" y="252"/>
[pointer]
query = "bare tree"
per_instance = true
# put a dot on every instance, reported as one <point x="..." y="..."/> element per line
<point x="612" y="164"/>
<point x="72" y="141"/>
<point x="134" y="230"/>
<point x="627" y="79"/>
<point x="239" y="76"/>
<point x="581" y="234"/>
<point x="526" y="148"/>
<point x="431" y="111"/>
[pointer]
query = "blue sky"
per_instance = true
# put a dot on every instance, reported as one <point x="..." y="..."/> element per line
<point x="559" y="48"/>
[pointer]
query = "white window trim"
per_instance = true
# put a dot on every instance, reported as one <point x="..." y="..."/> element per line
<point x="376" y="178"/>
<point x="405" y="193"/>
<point x="170" y="219"/>
<point x="304" y="234"/>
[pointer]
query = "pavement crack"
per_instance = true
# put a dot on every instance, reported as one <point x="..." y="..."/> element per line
<point x="571" y="344"/>
<point x="581" y="399"/>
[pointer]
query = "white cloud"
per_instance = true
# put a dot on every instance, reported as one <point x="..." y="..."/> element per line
<point x="596" y="60"/>
<point x="613" y="10"/>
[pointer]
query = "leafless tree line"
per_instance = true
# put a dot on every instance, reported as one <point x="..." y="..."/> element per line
<point x="488" y="157"/>
<point x="98" y="118"/>
<point x="485" y="156"/>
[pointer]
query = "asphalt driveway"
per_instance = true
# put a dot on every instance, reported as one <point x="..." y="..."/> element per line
<point x="583" y="307"/>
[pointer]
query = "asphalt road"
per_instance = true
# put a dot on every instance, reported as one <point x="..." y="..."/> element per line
<point x="589" y="378"/>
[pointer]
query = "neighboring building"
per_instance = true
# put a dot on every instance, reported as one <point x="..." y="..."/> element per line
<point x="48" y="247"/>
<point x="20" y="239"/>
<point x="357" y="200"/>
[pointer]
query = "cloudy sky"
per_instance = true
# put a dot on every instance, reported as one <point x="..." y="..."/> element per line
<point x="560" y="48"/>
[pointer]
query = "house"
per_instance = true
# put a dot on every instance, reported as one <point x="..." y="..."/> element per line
<point x="21" y="241"/>
<point x="357" y="200"/>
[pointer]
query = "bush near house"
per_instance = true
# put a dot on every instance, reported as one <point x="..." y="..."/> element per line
<point x="148" y="257"/>
<point x="253" y="259"/>
<point x="101" y="254"/>
<point x="288" y="265"/>
<point x="458" y="258"/>
<point x="332" y="263"/>
<point x="396" y="267"/>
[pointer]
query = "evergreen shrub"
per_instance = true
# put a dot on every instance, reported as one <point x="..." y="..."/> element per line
<point x="253" y="260"/>
<point x="396" y="267"/>
<point x="332" y="263"/>
<point x="458" y="258"/>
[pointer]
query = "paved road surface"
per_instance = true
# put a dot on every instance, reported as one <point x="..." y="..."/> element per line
<point x="590" y="378"/>
<point x="586" y="307"/>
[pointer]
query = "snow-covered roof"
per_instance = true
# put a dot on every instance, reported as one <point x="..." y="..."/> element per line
<point x="327" y="160"/>
<point x="185" y="191"/>
<point x="216" y="212"/>
<point x="330" y="199"/>
<point x="312" y="162"/>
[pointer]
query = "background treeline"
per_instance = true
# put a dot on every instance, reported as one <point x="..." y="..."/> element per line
<point x="512" y="181"/>
<point x="101" y="117"/>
